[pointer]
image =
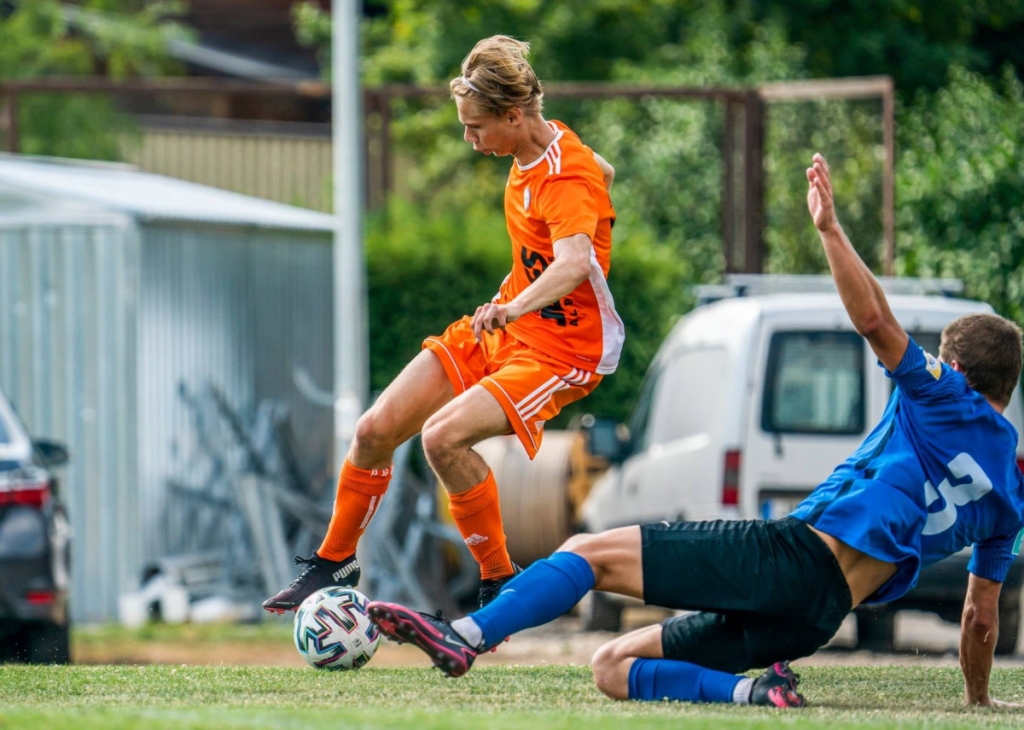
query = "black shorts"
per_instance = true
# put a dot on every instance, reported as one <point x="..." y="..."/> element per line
<point x="764" y="591"/>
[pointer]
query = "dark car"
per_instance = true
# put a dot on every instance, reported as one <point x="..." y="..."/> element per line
<point x="34" y="547"/>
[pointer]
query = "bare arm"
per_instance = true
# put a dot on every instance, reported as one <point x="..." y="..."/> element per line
<point x="570" y="268"/>
<point x="979" y="629"/>
<point x="606" y="170"/>
<point x="860" y="291"/>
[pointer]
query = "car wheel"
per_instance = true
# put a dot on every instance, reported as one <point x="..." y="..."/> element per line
<point x="598" y="612"/>
<point x="876" y="629"/>
<point x="44" y="643"/>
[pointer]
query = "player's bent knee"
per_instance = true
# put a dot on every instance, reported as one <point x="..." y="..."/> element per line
<point x="574" y="543"/>
<point x="607" y="553"/>
<point x="610" y="667"/>
<point x="374" y="433"/>
<point x="582" y="545"/>
<point x="435" y="439"/>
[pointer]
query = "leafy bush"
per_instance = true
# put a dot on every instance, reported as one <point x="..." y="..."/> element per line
<point x="97" y="37"/>
<point x="960" y="211"/>
<point x="424" y="271"/>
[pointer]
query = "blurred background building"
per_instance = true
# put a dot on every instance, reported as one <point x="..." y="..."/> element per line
<point x="125" y="300"/>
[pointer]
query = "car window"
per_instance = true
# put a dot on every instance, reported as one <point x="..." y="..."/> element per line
<point x="814" y="384"/>
<point x="7" y="431"/>
<point x="690" y="398"/>
<point x="641" y="414"/>
<point x="929" y="341"/>
<point x="14" y="443"/>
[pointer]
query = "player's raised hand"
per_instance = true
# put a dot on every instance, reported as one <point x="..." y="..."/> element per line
<point x="819" y="194"/>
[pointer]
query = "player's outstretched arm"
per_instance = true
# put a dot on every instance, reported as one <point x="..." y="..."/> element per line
<point x="606" y="170"/>
<point x="861" y="293"/>
<point x="979" y="629"/>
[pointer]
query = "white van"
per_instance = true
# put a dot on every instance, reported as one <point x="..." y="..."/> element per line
<point x="752" y="400"/>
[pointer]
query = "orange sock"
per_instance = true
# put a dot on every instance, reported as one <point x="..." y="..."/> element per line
<point x="477" y="513"/>
<point x="359" y="494"/>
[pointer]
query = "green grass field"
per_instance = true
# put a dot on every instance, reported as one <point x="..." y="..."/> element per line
<point x="499" y="698"/>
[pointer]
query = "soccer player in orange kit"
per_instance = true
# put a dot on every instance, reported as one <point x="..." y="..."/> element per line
<point x="545" y="340"/>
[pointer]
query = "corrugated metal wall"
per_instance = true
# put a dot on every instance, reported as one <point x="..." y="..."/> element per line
<point x="67" y="351"/>
<point x="98" y="327"/>
<point x="236" y="310"/>
<point x="289" y="168"/>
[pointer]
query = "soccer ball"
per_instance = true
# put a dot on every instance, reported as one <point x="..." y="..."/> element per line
<point x="332" y="630"/>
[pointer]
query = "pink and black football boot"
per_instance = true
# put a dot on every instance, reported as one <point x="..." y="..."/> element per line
<point x="777" y="687"/>
<point x="434" y="635"/>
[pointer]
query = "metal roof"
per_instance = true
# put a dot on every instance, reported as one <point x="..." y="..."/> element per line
<point x="113" y="188"/>
<point x="745" y="285"/>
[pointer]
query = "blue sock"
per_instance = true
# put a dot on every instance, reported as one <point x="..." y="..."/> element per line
<point x="669" y="679"/>
<point x="539" y="594"/>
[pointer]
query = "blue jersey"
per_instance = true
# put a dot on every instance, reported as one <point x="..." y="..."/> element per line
<point x="938" y="473"/>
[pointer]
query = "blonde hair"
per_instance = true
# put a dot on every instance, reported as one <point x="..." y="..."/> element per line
<point x="498" y="78"/>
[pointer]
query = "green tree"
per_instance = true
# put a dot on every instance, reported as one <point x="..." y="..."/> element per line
<point x="106" y="37"/>
<point x="914" y="41"/>
<point x="960" y="211"/>
<point x="958" y="165"/>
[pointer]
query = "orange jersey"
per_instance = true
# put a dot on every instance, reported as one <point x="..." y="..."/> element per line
<point x="559" y="195"/>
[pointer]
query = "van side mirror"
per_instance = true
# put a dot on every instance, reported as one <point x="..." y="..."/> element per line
<point x="51" y="453"/>
<point x="607" y="439"/>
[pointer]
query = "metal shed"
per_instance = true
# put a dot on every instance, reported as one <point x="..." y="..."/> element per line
<point x="118" y="287"/>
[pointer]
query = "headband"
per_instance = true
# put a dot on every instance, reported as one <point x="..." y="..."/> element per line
<point x="469" y="83"/>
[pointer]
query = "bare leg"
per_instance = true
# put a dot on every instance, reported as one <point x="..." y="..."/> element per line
<point x="615" y="557"/>
<point x="419" y="391"/>
<point x="450" y="434"/>
<point x="448" y="439"/>
<point x="611" y="663"/>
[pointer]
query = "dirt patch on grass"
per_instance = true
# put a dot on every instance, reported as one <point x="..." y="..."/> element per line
<point x="560" y="642"/>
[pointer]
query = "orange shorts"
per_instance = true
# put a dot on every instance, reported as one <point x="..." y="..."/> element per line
<point x="530" y="386"/>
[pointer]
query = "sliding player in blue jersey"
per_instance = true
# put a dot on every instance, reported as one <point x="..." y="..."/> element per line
<point x="937" y="474"/>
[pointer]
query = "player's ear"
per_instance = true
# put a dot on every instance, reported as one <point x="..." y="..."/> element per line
<point x="956" y="366"/>
<point x="515" y="116"/>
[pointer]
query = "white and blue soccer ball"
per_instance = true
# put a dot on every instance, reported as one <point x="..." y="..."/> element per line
<point x="332" y="630"/>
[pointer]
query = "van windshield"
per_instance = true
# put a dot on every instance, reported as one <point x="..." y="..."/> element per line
<point x="814" y="384"/>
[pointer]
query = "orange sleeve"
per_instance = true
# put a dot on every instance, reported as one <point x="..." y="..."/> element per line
<point x="568" y="207"/>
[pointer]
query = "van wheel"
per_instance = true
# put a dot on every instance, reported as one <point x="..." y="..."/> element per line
<point x="876" y="629"/>
<point x="598" y="612"/>
<point x="43" y="643"/>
